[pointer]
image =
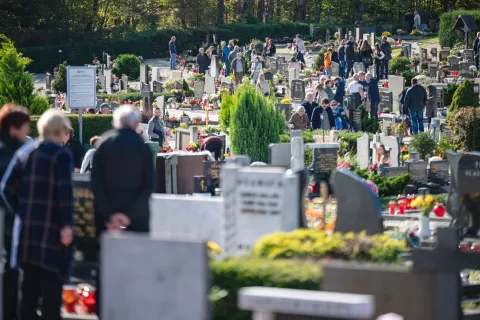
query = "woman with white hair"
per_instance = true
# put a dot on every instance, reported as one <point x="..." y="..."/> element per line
<point x="262" y="84"/>
<point x="299" y="120"/>
<point x="203" y="61"/>
<point x="255" y="69"/>
<point x="309" y="104"/>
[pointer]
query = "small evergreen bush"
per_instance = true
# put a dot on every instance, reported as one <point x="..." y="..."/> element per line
<point x="424" y="143"/>
<point x="399" y="64"/>
<point x="368" y="123"/>
<point x="59" y="85"/>
<point x="254" y="123"/>
<point x="127" y="64"/>
<point x="448" y="93"/>
<point x="463" y="97"/>
<point x="462" y="124"/>
<point x="228" y="101"/>
<point x="16" y="84"/>
<point x="319" y="60"/>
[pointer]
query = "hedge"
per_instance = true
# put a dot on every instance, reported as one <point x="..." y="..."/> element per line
<point x="462" y="126"/>
<point x="93" y="125"/>
<point x="233" y="274"/>
<point x="448" y="36"/>
<point x="155" y="44"/>
<point x="133" y="96"/>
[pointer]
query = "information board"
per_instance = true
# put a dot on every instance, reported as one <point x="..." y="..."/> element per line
<point x="82" y="87"/>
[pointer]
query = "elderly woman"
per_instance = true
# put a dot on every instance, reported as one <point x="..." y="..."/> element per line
<point x="255" y="69"/>
<point x="263" y="85"/>
<point x="203" y="61"/>
<point x="320" y="93"/>
<point x="299" y="120"/>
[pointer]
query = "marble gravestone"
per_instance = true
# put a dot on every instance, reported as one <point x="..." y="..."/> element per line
<point x="108" y="81"/>
<point x="210" y="85"/>
<point x="214" y="67"/>
<point x="125" y="83"/>
<point x="298" y="89"/>
<point x="177" y="74"/>
<point x="363" y="147"/>
<point x="469" y="56"/>
<point x="432" y="69"/>
<point x="279" y="154"/>
<point x="386" y="101"/>
<point x="155" y="74"/>
<point x="438" y="172"/>
<point x="211" y="172"/>
<point x="465" y="69"/>
<point x="391" y="143"/>
<point x="198" y="88"/>
<point x="417" y="171"/>
<point x="324" y="156"/>
<point x="358" y="208"/>
<point x="156" y="286"/>
<point x="454" y="63"/>
<point x="443" y="55"/>
<point x="143" y="73"/>
<point x="103" y="82"/>
<point x="396" y="85"/>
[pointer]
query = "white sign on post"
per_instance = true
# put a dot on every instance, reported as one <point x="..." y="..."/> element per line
<point x="81" y="90"/>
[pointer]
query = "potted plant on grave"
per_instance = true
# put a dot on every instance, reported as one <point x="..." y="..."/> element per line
<point x="194" y="146"/>
<point x="279" y="77"/>
<point x="425" y="204"/>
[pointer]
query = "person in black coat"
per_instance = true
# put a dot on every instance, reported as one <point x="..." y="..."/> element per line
<point x="339" y="90"/>
<point x="373" y="95"/>
<point x="203" y="61"/>
<point x="309" y="104"/>
<point x="77" y="149"/>
<point x="350" y="55"/>
<point x="14" y="127"/>
<point x="270" y="49"/>
<point x="415" y="101"/>
<point x="122" y="179"/>
<point x="322" y="117"/>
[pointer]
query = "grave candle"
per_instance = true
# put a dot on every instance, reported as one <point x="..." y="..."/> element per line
<point x="69" y="298"/>
<point x="476" y="247"/>
<point x="464" y="246"/>
<point x="401" y="206"/>
<point x="392" y="206"/>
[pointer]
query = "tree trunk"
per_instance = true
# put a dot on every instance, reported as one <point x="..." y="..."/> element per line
<point x="220" y="11"/>
<point x="301" y="11"/>
<point x="89" y="26"/>
<point x="245" y="7"/>
<point x="261" y="10"/>
<point x="270" y="10"/>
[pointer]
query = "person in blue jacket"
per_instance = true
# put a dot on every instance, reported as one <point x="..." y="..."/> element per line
<point x="341" y="122"/>
<point x="225" y="54"/>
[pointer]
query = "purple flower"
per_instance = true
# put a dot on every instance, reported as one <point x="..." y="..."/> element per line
<point x="372" y="186"/>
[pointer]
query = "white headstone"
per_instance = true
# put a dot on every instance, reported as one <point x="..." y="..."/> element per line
<point x="214" y="67"/>
<point x="161" y="102"/>
<point x="108" y="61"/>
<point x="335" y="69"/>
<point x="210" y="85"/>
<point x="396" y="84"/>
<point x="279" y="154"/>
<point x="391" y="143"/>
<point x="177" y="74"/>
<point x="292" y="75"/>
<point x="372" y="39"/>
<point x="108" y="80"/>
<point x="198" y="89"/>
<point x="227" y="80"/>
<point x="366" y="36"/>
<point x="155" y="277"/>
<point x="363" y="150"/>
<point x="155" y="74"/>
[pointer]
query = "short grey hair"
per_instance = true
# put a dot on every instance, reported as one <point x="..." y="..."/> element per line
<point x="223" y="43"/>
<point x="301" y="108"/>
<point x="309" y="94"/>
<point x="126" y="116"/>
<point x="368" y="75"/>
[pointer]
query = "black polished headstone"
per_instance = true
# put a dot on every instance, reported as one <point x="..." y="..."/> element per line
<point x="325" y="159"/>
<point x="298" y="89"/>
<point x="358" y="209"/>
<point x="199" y="184"/>
<point x="211" y="171"/>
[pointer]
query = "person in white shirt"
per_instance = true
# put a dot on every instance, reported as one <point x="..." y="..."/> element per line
<point x="263" y="84"/>
<point x="417" y="20"/>
<point x="356" y="89"/>
<point x="255" y="69"/>
<point x="300" y="49"/>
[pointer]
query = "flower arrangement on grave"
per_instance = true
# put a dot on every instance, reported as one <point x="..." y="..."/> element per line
<point x="213" y="98"/>
<point x="278" y="76"/>
<point x="286" y="100"/>
<point x="401" y="129"/>
<point x="424" y="203"/>
<point x="415" y="32"/>
<point x="473" y="68"/>
<point x="166" y="148"/>
<point x="194" y="146"/>
<point x="423" y="80"/>
<point x="96" y="62"/>
<point x="345" y="165"/>
<point x="373" y="168"/>
<point x="386" y="34"/>
<point x="214" y="248"/>
<point x="371" y="185"/>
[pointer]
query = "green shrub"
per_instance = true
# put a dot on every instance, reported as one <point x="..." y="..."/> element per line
<point x="59" y="85"/>
<point x="386" y="186"/>
<point x="228" y="101"/>
<point x="408" y="76"/>
<point x="462" y="124"/>
<point x="133" y="96"/>
<point x="318" y="62"/>
<point x="16" y="84"/>
<point x="368" y="123"/>
<point x="448" y="93"/>
<point x="424" y="143"/>
<point x="231" y="275"/>
<point x="464" y="97"/>
<point x="314" y="245"/>
<point x="254" y="123"/>
<point x="448" y="36"/>
<point x="399" y="64"/>
<point x="127" y="64"/>
<point x="93" y="125"/>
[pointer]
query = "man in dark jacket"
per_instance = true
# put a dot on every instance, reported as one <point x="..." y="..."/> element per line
<point x="415" y="101"/>
<point x="340" y="90"/>
<point x="373" y="95"/>
<point x="14" y="127"/>
<point x="77" y="150"/>
<point x="203" y="61"/>
<point x="122" y="178"/>
<point x="309" y="104"/>
<point x="322" y="117"/>
<point x="387" y="50"/>
<point x="350" y="55"/>
<point x="341" y="58"/>
<point x="476" y="50"/>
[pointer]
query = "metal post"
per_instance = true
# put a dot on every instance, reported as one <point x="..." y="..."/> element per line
<point x="80" y="125"/>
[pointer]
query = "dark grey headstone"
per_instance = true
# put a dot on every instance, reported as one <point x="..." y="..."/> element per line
<point x="439" y="172"/>
<point x="417" y="171"/>
<point x="103" y="82"/>
<point x="157" y="86"/>
<point x="144" y="73"/>
<point x="358" y="208"/>
<point x="298" y="89"/>
<point x="357" y="120"/>
<point x="325" y="159"/>
<point x="211" y="171"/>
<point x="199" y="184"/>
<point x="395" y="171"/>
<point x="280" y="154"/>
<point x="268" y="76"/>
<point x="468" y="56"/>
<point x="386" y="101"/>
<point x="454" y="63"/>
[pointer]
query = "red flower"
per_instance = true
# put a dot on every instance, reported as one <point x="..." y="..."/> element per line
<point x="373" y="168"/>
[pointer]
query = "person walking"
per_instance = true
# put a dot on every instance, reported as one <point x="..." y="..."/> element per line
<point x="373" y="94"/>
<point x="378" y="58"/>
<point x="263" y="85"/>
<point x="322" y="117"/>
<point x="327" y="61"/>
<point x="415" y="101"/>
<point x="339" y="90"/>
<point x="45" y="213"/>
<point x="203" y="61"/>
<point x="233" y="55"/>
<point x="14" y="129"/>
<point x="173" y="53"/>
<point x="366" y="54"/>
<point x="300" y="48"/>
<point x="341" y="58"/>
<point x="122" y="189"/>
<point x="88" y="159"/>
<point x="387" y="51"/>
<point x="238" y="68"/>
<point x="299" y="120"/>
<point x="431" y="107"/>
<point x="231" y="45"/>
<point x="155" y="128"/>
<point x="476" y="50"/>
<point x="225" y="54"/>
<point x="350" y="55"/>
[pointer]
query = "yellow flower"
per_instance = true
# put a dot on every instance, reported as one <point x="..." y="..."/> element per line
<point x="214" y="247"/>
<point x="406" y="157"/>
<point x="429" y="199"/>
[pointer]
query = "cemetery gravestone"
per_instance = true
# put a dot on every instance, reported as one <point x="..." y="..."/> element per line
<point x="424" y="54"/>
<point x="103" y="82"/>
<point x="281" y="60"/>
<point x="268" y="75"/>
<point x="48" y="81"/>
<point x="84" y="217"/>
<point x="211" y="171"/>
<point x="335" y="69"/>
<point x="279" y="154"/>
<point x="114" y="105"/>
<point x="125" y="82"/>
<point x="443" y="55"/>
<point x="432" y="69"/>
<point x="292" y="75"/>
<point x="366" y="36"/>
<point x="407" y="49"/>
<point x="157" y="86"/>
<point x="198" y="88"/>
<point x="395" y="171"/>
<point x="454" y="63"/>
<point x="415" y="49"/>
<point x="177" y="74"/>
<point x="285" y="109"/>
<point x="358" y="209"/>
<point x="363" y="147"/>
<point x="417" y="171"/>
<point x="391" y="144"/>
<point x="445" y="130"/>
<point x="324" y="156"/>
<point x="469" y="56"/>
<point x="465" y="69"/>
<point x="214" y="67"/>
<point x="210" y="87"/>
<point x="108" y="80"/>
<point x="439" y="172"/>
<point x="143" y="73"/>
<point x="386" y="101"/>
<point x="108" y="61"/>
<point x="372" y="38"/>
<point x="358" y="66"/>
<point x="133" y="290"/>
<point x="298" y="89"/>
<point x="155" y="74"/>
<point x="357" y="120"/>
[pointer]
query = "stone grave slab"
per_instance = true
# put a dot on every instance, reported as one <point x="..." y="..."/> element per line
<point x="155" y="74"/>
<point x="157" y="86"/>
<point x="391" y="143"/>
<point x="177" y="74"/>
<point x="357" y="120"/>
<point x="439" y="172"/>
<point x="144" y="73"/>
<point x="417" y="171"/>
<point x="363" y="147"/>
<point x="395" y="171"/>
<point x="358" y="208"/>
<point x="469" y="56"/>
<point x="432" y="69"/>
<point x="133" y="290"/>
<point x="424" y="54"/>
<point x="443" y="54"/>
<point x="125" y="82"/>
<point x="108" y="80"/>
<point x="214" y="67"/>
<point x="279" y="154"/>
<point x="210" y="87"/>
<point x="465" y="69"/>
<point x="103" y="82"/>
<point x="324" y="156"/>
<point x="211" y="171"/>
<point x="396" y="85"/>
<point x="199" y="88"/>
<point x="298" y="89"/>
<point x="386" y="101"/>
<point x="454" y="63"/>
